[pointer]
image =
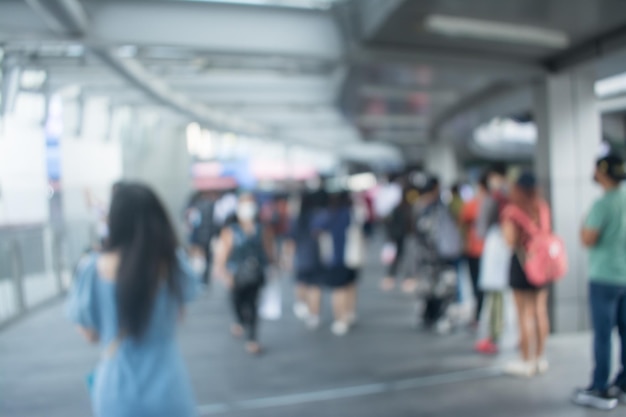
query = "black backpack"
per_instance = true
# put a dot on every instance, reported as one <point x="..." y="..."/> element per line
<point x="249" y="255"/>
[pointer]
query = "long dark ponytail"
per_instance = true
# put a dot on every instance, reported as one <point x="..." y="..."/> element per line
<point x="141" y="231"/>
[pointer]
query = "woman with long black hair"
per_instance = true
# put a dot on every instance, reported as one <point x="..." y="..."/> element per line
<point x="129" y="299"/>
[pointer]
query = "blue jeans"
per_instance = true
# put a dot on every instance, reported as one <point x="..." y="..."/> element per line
<point x="608" y="309"/>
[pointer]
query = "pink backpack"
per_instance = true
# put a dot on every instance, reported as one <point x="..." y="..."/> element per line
<point x="546" y="257"/>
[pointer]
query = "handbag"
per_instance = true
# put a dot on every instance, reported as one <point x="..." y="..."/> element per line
<point x="271" y="301"/>
<point x="354" y="253"/>
<point x="250" y="271"/>
<point x="495" y="262"/>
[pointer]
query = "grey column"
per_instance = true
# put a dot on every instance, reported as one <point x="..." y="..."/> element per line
<point x="155" y="152"/>
<point x="442" y="161"/>
<point x="569" y="142"/>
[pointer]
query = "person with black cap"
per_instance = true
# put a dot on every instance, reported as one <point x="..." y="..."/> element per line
<point x="526" y="212"/>
<point x="604" y="233"/>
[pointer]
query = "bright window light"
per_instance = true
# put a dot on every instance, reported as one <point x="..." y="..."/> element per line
<point x="611" y="86"/>
<point x="496" y="31"/>
<point x="502" y="131"/>
<point x="32" y="79"/>
<point x="362" y="182"/>
<point x="300" y="4"/>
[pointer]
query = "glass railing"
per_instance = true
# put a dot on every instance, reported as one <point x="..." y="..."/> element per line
<point x="36" y="264"/>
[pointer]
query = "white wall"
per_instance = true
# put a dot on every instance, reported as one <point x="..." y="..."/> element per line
<point x="23" y="175"/>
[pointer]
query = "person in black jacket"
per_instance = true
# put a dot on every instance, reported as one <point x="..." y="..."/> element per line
<point x="398" y="226"/>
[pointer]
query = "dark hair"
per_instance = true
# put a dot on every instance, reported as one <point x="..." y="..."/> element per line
<point x="526" y="192"/>
<point x="484" y="181"/>
<point x="307" y="206"/>
<point x="527" y="181"/>
<point x="613" y="166"/>
<point x="139" y="228"/>
<point x="430" y="184"/>
<point x="499" y="168"/>
<point x="456" y="188"/>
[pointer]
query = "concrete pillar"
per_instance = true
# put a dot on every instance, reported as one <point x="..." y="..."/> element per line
<point x="441" y="160"/>
<point x="155" y="152"/>
<point x="569" y="138"/>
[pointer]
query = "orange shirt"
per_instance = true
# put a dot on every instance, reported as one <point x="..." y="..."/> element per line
<point x="473" y="243"/>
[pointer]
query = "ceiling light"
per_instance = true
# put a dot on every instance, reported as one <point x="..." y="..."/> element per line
<point x="496" y="31"/>
<point x="611" y="86"/>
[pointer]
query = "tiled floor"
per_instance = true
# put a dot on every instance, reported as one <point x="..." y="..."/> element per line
<point x="385" y="368"/>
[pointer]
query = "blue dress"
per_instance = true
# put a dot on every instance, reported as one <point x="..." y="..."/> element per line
<point x="308" y="263"/>
<point x="336" y="222"/>
<point x="142" y="378"/>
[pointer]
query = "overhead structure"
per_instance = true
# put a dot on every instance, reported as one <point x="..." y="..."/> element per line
<point x="330" y="74"/>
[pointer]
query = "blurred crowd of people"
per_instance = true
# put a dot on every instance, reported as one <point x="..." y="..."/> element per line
<point x="130" y="293"/>
<point x="315" y="235"/>
<point x="451" y="234"/>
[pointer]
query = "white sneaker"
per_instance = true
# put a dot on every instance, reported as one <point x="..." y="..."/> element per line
<point x="542" y="366"/>
<point x="520" y="368"/>
<point x="300" y="310"/>
<point x="443" y="326"/>
<point x="313" y="322"/>
<point x="340" y="328"/>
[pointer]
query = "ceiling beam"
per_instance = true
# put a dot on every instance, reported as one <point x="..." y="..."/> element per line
<point x="57" y="13"/>
<point x="589" y="50"/>
<point x="373" y="14"/>
<point x="64" y="16"/>
<point x="388" y="91"/>
<point x="400" y="139"/>
<point x="218" y="27"/>
<point x="465" y="61"/>
<point x="392" y="121"/>
<point x="470" y="102"/>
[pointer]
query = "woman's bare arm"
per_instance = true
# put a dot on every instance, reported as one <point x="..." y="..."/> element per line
<point x="89" y="334"/>
<point x="269" y="245"/>
<point x="221" y="258"/>
<point x="510" y="233"/>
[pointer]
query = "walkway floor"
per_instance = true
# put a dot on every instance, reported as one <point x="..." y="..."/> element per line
<point x="385" y="368"/>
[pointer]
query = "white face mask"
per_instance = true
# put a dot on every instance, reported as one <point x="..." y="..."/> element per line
<point x="496" y="184"/>
<point x="197" y="264"/>
<point x="246" y="211"/>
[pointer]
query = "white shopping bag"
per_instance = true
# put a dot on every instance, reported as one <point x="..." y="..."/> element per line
<point x="271" y="306"/>
<point x="354" y="253"/>
<point x="495" y="262"/>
